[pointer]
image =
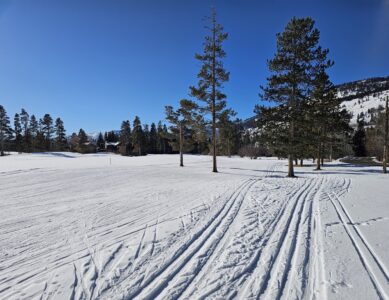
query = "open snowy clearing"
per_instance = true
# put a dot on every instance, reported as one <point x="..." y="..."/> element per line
<point x="111" y="227"/>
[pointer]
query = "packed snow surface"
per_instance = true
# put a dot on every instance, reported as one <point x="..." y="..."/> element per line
<point x="111" y="227"/>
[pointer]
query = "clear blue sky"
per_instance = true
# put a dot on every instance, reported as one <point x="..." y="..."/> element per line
<point x="96" y="63"/>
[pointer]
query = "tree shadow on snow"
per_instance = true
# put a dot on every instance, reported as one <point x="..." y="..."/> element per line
<point x="58" y="154"/>
<point x="326" y="169"/>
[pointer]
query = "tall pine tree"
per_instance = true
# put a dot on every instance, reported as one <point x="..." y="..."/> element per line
<point x="25" y="124"/>
<point x="34" y="130"/>
<point x="60" y="132"/>
<point x="137" y="136"/>
<point x="227" y="133"/>
<point x="82" y="141"/>
<point x="359" y="139"/>
<point x="212" y="75"/>
<point x="125" y="138"/>
<point x="181" y="118"/>
<point x="18" y="133"/>
<point x="5" y="129"/>
<point x="100" y="143"/>
<point x="153" y="138"/>
<point x="47" y="130"/>
<point x="290" y="85"/>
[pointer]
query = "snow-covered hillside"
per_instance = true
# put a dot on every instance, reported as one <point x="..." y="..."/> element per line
<point x="367" y="106"/>
<point x="364" y="98"/>
<point x="109" y="227"/>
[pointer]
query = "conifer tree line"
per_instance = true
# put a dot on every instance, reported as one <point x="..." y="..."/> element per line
<point x="26" y="133"/>
<point x="137" y="139"/>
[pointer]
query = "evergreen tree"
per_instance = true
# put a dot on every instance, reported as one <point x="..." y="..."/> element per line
<point x="82" y="141"/>
<point x="227" y="133"/>
<point x="161" y="145"/>
<point x="200" y="135"/>
<point x="181" y="118"/>
<point x="5" y="129"/>
<point x="100" y="142"/>
<point x="212" y="76"/>
<point x="153" y="138"/>
<point x="125" y="138"/>
<point x="60" y="139"/>
<point x="146" y="138"/>
<point x="137" y="136"/>
<point x="18" y="133"/>
<point x="47" y="130"/>
<point x="73" y="142"/>
<point x="359" y="139"/>
<point x="165" y="133"/>
<point x="40" y="140"/>
<point x="289" y="85"/>
<point x="111" y="137"/>
<point x="24" y="121"/>
<point x="34" y="129"/>
<point x="322" y="105"/>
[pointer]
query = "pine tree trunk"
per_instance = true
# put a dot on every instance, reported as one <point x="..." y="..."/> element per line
<point x="291" y="138"/>
<point x="301" y="162"/>
<point x="214" y="169"/>
<point x="181" y="146"/>
<point x="2" y="146"/>
<point x="318" y="160"/>
<point x="290" y="155"/>
<point x="330" y="152"/>
<point x="322" y="161"/>
<point x="385" y="157"/>
<point x="290" y="166"/>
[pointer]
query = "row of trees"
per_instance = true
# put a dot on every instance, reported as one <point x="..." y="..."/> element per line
<point x="188" y="133"/>
<point x="141" y="140"/>
<point x="307" y="121"/>
<point x="28" y="134"/>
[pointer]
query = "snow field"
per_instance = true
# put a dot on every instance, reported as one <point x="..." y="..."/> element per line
<point x="110" y="227"/>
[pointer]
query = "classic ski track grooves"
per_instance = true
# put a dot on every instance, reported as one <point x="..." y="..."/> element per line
<point x="275" y="263"/>
<point x="371" y="263"/>
<point x="207" y="238"/>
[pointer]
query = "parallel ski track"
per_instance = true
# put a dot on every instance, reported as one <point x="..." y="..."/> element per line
<point x="237" y="276"/>
<point x="274" y="260"/>
<point x="317" y="282"/>
<point x="202" y="241"/>
<point x="373" y="265"/>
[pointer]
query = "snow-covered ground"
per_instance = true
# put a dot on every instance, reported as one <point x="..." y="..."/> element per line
<point x="110" y="227"/>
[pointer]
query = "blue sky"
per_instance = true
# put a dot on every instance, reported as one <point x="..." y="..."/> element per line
<point x="95" y="63"/>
